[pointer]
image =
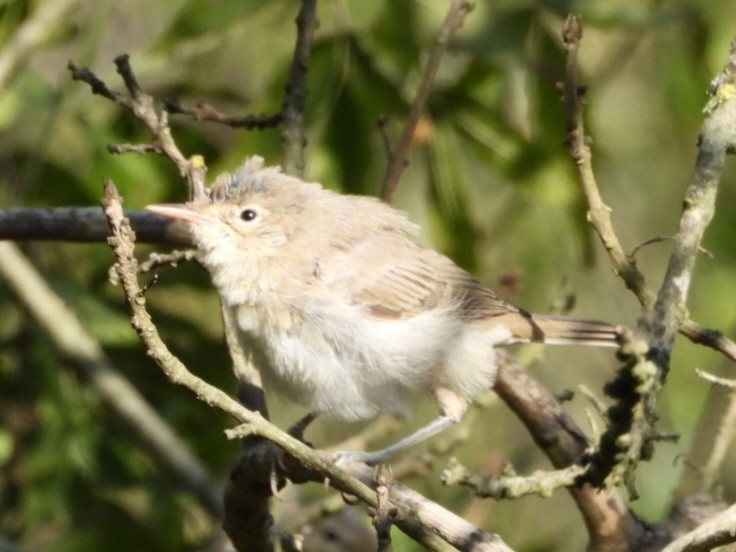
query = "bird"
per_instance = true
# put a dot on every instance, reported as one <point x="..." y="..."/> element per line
<point x="344" y="312"/>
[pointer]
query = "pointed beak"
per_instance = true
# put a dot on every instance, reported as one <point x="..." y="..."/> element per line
<point x="179" y="211"/>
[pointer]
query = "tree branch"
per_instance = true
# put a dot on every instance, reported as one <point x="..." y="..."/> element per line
<point x="292" y="110"/>
<point x="718" y="531"/>
<point x="85" y="224"/>
<point x="398" y="156"/>
<point x="610" y="524"/>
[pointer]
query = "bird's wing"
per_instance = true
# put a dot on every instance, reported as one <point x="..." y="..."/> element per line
<point x="396" y="278"/>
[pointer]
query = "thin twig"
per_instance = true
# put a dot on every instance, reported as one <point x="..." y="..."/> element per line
<point x="142" y="106"/>
<point x="708" y="337"/>
<point x="172" y="259"/>
<point x="383" y="128"/>
<point x="723" y="440"/>
<point x="136" y="148"/>
<point x="292" y="110"/>
<point x="599" y="214"/>
<point x="724" y="382"/>
<point x="718" y="531"/>
<point x="659" y="239"/>
<point x="155" y="261"/>
<point x="398" y="158"/>
<point x="204" y="111"/>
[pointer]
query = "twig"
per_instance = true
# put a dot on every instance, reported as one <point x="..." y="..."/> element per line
<point x="715" y="379"/>
<point x="398" y="158"/>
<point x="172" y="258"/>
<point x="292" y="110"/>
<point x="659" y="239"/>
<point x="142" y="106"/>
<point x="421" y="519"/>
<point x="383" y="123"/>
<point x="599" y="214"/>
<point x="155" y="261"/>
<point x="204" y="111"/>
<point x="75" y="342"/>
<point x="452" y="528"/>
<point x="509" y="484"/>
<point x="384" y="513"/>
<point x="709" y="337"/>
<point x="716" y="532"/>
<point x="135" y="148"/>
<point x="291" y="116"/>
<point x="725" y="436"/>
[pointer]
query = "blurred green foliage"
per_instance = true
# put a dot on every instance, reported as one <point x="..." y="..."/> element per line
<point x="489" y="180"/>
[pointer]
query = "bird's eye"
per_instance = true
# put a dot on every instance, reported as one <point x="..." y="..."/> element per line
<point x="248" y="214"/>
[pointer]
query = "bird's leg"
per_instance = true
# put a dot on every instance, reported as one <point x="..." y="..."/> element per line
<point x="452" y="407"/>
<point x="297" y="429"/>
<point x="344" y="457"/>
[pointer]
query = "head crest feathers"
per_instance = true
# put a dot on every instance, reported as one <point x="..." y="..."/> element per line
<point x="251" y="176"/>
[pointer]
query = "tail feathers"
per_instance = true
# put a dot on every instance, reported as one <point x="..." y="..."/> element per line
<point x="563" y="330"/>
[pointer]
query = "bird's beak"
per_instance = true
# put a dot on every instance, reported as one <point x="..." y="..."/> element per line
<point x="179" y="211"/>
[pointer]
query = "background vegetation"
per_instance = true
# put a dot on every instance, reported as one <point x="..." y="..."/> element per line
<point x="489" y="180"/>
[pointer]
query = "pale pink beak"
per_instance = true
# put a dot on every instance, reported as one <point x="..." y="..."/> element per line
<point x="179" y="211"/>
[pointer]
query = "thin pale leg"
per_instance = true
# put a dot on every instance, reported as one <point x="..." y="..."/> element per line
<point x="434" y="427"/>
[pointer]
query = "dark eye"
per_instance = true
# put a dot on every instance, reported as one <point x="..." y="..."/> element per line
<point x="248" y="214"/>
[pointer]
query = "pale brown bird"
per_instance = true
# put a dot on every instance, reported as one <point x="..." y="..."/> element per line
<point x="343" y="311"/>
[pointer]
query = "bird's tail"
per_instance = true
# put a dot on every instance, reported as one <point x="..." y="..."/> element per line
<point x="563" y="330"/>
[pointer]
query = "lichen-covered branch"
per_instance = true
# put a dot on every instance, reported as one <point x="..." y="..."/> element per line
<point x="717" y="139"/>
<point x="510" y="485"/>
<point x="557" y="435"/>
